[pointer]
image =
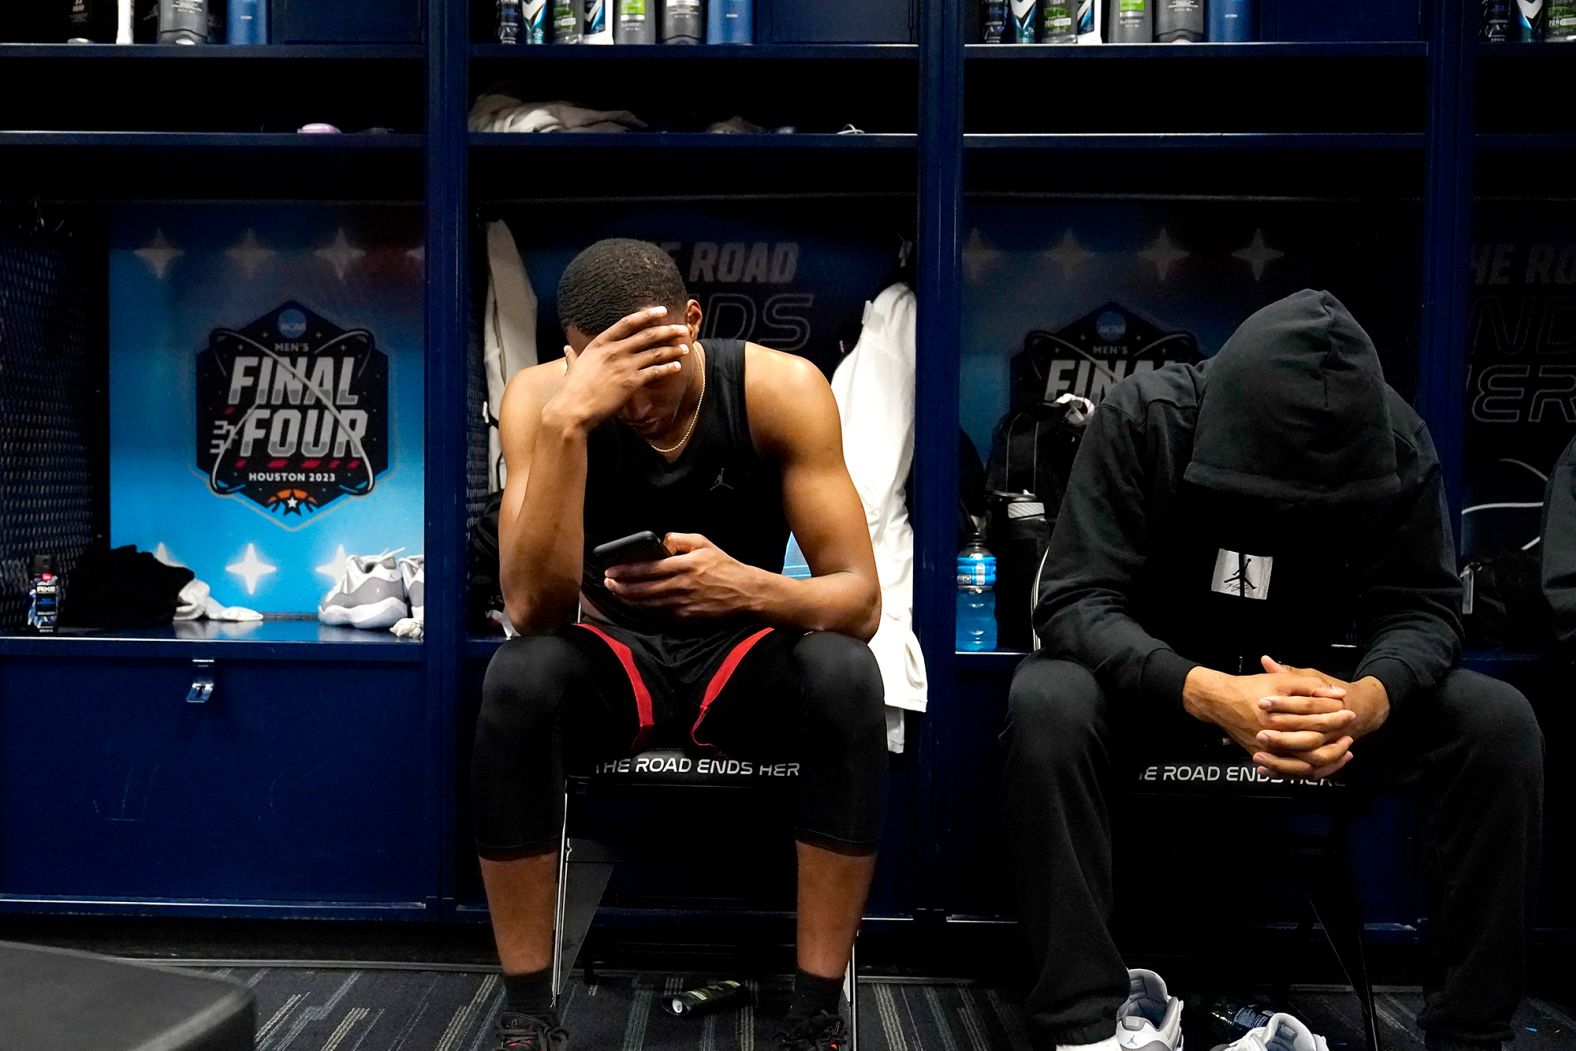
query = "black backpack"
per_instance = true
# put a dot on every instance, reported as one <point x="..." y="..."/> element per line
<point x="1031" y="459"/>
<point x="484" y="590"/>
<point x="1033" y="450"/>
<point x="1503" y="604"/>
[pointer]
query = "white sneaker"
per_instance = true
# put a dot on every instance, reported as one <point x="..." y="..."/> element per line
<point x="1281" y="1033"/>
<point x="370" y="593"/>
<point x="1151" y="1020"/>
<point x="413" y="571"/>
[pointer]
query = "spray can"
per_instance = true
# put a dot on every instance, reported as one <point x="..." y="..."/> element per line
<point x="511" y="17"/>
<point x="1560" y="21"/>
<point x="533" y="21"/>
<point x="90" y="22"/>
<point x="635" y="24"/>
<point x="1179" y="21"/>
<point x="43" y="596"/>
<point x="1059" y="22"/>
<point x="1232" y="21"/>
<point x="1496" y="21"/>
<point x="731" y="22"/>
<point x="598" y="25"/>
<point x="1089" y="21"/>
<point x="248" y="23"/>
<point x="683" y="22"/>
<point x="993" y="21"/>
<point x="567" y="20"/>
<point x="1022" y="25"/>
<point x="1526" y="21"/>
<point x="1131" y="22"/>
<point x="183" y="21"/>
<point x="712" y="997"/>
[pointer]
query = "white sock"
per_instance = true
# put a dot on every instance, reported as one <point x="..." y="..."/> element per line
<point x="1108" y="1044"/>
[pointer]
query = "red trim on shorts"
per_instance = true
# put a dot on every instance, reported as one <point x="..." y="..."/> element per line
<point x="626" y="657"/>
<point x="719" y="681"/>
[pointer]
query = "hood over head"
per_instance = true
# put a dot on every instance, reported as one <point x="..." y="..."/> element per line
<point x="1295" y="409"/>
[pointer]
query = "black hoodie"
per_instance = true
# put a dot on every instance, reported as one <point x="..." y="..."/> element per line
<point x="1279" y="498"/>
<point x="1558" y="549"/>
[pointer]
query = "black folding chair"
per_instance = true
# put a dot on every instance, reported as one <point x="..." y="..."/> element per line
<point x="686" y="783"/>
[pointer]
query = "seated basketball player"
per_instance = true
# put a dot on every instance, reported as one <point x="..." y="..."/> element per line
<point x="719" y="447"/>
<point x="1227" y="528"/>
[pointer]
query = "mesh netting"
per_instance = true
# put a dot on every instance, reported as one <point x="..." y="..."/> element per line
<point x="49" y="410"/>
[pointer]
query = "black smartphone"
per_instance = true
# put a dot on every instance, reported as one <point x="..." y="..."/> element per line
<point x="644" y="546"/>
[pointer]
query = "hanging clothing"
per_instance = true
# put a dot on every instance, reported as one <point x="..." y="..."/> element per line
<point x="874" y="388"/>
<point x="508" y="334"/>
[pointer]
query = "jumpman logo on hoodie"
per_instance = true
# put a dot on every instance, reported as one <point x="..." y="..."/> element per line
<point x="1245" y="576"/>
<point x="720" y="483"/>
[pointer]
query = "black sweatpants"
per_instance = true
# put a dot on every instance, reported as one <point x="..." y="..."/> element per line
<point x="591" y="693"/>
<point x="1472" y="750"/>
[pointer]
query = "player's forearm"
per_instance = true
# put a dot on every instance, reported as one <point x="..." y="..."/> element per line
<point x="540" y="568"/>
<point x="842" y="602"/>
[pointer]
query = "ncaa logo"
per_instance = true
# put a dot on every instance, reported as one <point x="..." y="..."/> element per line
<point x="292" y="323"/>
<point x="1110" y="326"/>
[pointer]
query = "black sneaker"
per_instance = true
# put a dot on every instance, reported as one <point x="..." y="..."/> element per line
<point x="517" y="1032"/>
<point x="822" y="1031"/>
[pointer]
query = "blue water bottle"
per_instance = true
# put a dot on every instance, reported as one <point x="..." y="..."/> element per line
<point x="731" y="22"/>
<point x="976" y="597"/>
<point x="794" y="564"/>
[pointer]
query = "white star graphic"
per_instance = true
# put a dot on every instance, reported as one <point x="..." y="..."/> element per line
<point x="251" y="568"/>
<point x="340" y="254"/>
<point x="979" y="258"/>
<point x="1069" y="255"/>
<point x="1163" y="254"/>
<point x="159" y="254"/>
<point x="250" y="254"/>
<point x="162" y="553"/>
<point x="419" y="253"/>
<point x="292" y="503"/>
<point x="334" y="566"/>
<point x="1258" y="255"/>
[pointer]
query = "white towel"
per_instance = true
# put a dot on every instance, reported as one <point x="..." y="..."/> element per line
<point x="499" y="112"/>
<point x="508" y="334"/>
<point x="874" y="388"/>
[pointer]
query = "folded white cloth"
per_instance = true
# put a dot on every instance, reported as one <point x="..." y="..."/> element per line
<point x="500" y="112"/>
<point x="409" y="628"/>
<point x="736" y="126"/>
<point x="197" y="601"/>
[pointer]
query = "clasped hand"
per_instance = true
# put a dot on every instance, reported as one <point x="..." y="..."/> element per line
<point x="698" y="581"/>
<point x="1294" y="722"/>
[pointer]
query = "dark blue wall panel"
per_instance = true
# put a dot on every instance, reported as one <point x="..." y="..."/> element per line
<point x="300" y="784"/>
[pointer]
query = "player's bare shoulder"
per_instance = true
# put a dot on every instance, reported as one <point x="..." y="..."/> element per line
<point x="527" y="391"/>
<point x="788" y="399"/>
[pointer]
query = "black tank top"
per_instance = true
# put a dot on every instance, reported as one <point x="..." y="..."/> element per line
<point x="718" y="487"/>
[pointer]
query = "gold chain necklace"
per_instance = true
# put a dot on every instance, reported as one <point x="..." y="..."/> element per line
<point x="693" y="416"/>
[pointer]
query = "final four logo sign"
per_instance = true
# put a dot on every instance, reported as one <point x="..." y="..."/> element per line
<point x="292" y="411"/>
<point x="1094" y="354"/>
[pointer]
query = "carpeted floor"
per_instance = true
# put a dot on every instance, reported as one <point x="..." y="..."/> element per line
<point x="322" y="1009"/>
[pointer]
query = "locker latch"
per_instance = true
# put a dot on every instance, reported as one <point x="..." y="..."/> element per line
<point x="202" y="682"/>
